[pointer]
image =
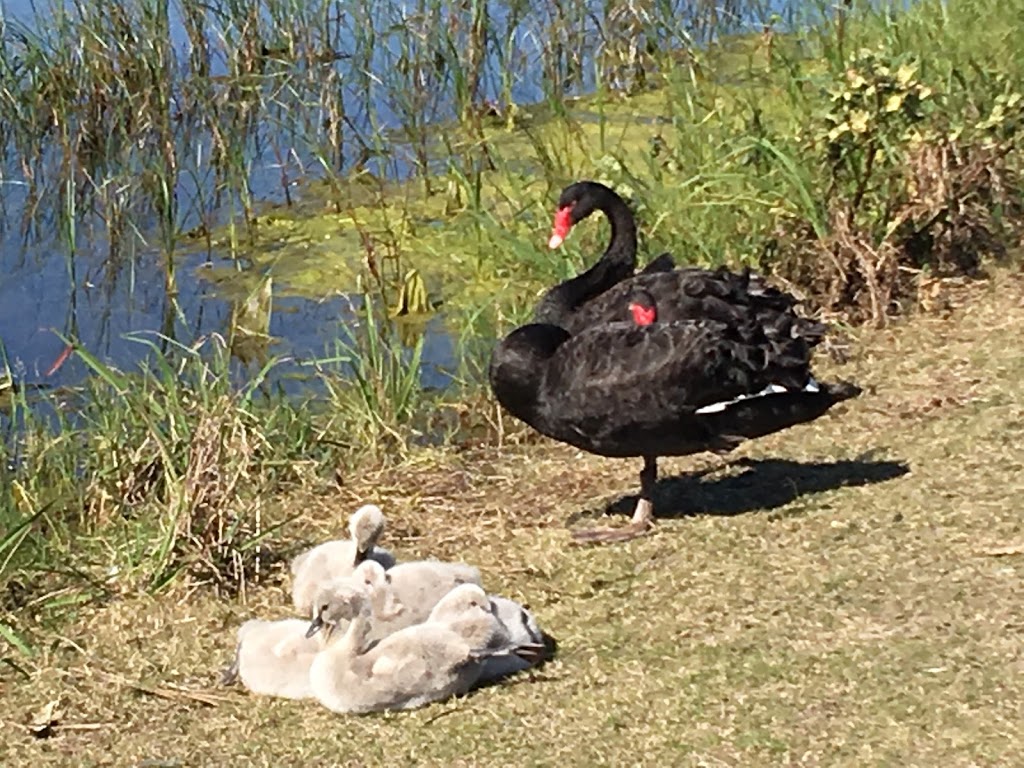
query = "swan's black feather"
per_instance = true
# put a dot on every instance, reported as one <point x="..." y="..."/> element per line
<point x="620" y="389"/>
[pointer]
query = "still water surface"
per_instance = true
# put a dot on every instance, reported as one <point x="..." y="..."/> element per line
<point x="52" y="284"/>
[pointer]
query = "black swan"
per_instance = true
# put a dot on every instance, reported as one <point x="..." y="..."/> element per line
<point x="664" y="363"/>
<point x="563" y="304"/>
<point x="599" y="294"/>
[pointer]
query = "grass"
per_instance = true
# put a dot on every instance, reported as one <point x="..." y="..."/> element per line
<point x="740" y="167"/>
<point x="845" y="593"/>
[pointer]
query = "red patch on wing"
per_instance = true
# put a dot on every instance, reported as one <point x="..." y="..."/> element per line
<point x="643" y="315"/>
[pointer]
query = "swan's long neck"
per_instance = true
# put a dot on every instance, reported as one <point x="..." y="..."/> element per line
<point x="331" y="674"/>
<point x="617" y="263"/>
<point x="353" y="642"/>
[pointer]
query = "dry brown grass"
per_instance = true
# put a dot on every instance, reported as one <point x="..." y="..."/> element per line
<point x="810" y="604"/>
<point x="960" y="208"/>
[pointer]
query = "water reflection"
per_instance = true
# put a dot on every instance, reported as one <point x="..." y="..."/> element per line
<point x="43" y="300"/>
<point x="69" y="280"/>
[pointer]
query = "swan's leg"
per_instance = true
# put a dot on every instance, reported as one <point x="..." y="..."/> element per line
<point x="643" y="515"/>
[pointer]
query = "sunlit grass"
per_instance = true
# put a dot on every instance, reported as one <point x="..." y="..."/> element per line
<point x="377" y="392"/>
<point x="846" y="592"/>
<point x="816" y="602"/>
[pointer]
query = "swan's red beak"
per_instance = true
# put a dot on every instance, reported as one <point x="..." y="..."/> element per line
<point x="643" y="315"/>
<point x="561" y="227"/>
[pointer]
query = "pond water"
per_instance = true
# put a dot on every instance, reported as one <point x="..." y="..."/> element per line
<point x="59" y="280"/>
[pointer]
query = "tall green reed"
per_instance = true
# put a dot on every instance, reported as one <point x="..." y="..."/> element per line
<point x="376" y="395"/>
<point x="171" y="461"/>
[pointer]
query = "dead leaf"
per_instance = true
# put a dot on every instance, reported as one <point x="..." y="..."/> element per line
<point x="44" y="724"/>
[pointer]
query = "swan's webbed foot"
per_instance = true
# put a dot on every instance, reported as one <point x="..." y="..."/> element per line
<point x="642" y="523"/>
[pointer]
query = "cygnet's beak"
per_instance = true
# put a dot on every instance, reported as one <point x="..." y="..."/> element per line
<point x="315" y="626"/>
<point x="531" y="652"/>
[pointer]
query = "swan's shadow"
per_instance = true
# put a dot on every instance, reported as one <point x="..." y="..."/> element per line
<point x="764" y="484"/>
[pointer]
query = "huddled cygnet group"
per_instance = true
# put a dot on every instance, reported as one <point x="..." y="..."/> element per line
<point x="382" y="634"/>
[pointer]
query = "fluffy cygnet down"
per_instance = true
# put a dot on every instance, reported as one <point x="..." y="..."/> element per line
<point x="412" y="667"/>
<point x="521" y="629"/>
<point x="406" y="594"/>
<point x="496" y="631"/>
<point x="273" y="658"/>
<point x="335" y="560"/>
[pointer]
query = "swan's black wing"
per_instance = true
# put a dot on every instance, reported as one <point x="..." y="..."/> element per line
<point x="621" y="389"/>
<point x="662" y="263"/>
<point x="692" y="294"/>
<point x="695" y="363"/>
